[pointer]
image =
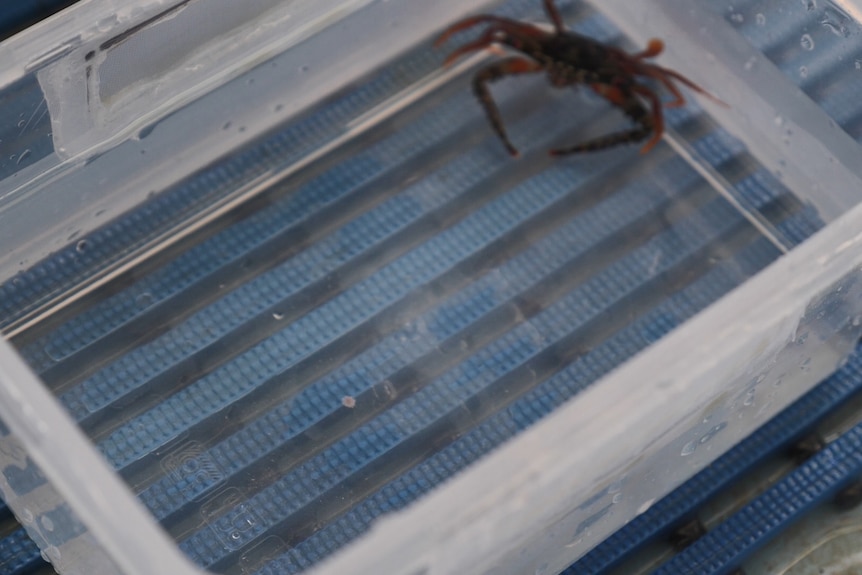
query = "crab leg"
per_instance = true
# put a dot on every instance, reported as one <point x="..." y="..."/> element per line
<point x="491" y="73"/>
<point x="656" y="121"/>
<point x="504" y="24"/>
<point x="627" y="100"/>
<point x="554" y="16"/>
<point x="653" y="49"/>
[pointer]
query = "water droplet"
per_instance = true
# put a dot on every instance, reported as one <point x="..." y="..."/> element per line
<point x="779" y="121"/>
<point x="25" y="516"/>
<point x="24" y="155"/>
<point x="737" y="18"/>
<point x="277" y="315"/>
<point x="712" y="433"/>
<point x="749" y="398"/>
<point x="760" y="378"/>
<point x="617" y="498"/>
<point x="807" y="42"/>
<point x="760" y="19"/>
<point x="645" y="506"/>
<point x="749" y="64"/>
<point x="82" y="246"/>
<point x="810" y="5"/>
<point x="688" y="448"/>
<point x="21" y="123"/>
<point x="47" y="523"/>
<point x="803" y="71"/>
<point x="835" y="22"/>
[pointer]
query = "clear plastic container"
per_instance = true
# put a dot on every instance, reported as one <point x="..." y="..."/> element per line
<point x="279" y="280"/>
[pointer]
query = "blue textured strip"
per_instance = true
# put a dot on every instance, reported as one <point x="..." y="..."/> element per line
<point x="819" y="479"/>
<point x="508" y="422"/>
<point x="18" y="554"/>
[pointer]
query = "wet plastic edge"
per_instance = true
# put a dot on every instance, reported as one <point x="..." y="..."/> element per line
<point x="101" y="501"/>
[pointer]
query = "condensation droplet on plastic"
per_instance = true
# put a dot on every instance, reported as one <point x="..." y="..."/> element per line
<point x="24" y="155"/>
<point x="645" y="506"/>
<point x="760" y="19"/>
<point x="277" y="315"/>
<point x="803" y="71"/>
<point x="82" y="246"/>
<point x="737" y="18"/>
<point x="749" y="398"/>
<point x="810" y="5"/>
<point x="617" y="498"/>
<point x="707" y="437"/>
<point x="779" y="121"/>
<point x="22" y="123"/>
<point x="749" y="64"/>
<point x="25" y="516"/>
<point x="760" y="378"/>
<point x="835" y="22"/>
<point x="47" y="523"/>
<point x="575" y="543"/>
<point x="688" y="448"/>
<point x="807" y="42"/>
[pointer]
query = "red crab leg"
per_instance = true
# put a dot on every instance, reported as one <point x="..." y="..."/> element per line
<point x="653" y="49"/>
<point x="508" y="67"/>
<point x="554" y="15"/>
<point x="631" y="105"/>
<point x="662" y="75"/>
<point x="657" y="116"/>
<point x="505" y="24"/>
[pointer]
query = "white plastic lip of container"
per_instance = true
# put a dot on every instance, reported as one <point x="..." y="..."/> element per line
<point x="634" y="423"/>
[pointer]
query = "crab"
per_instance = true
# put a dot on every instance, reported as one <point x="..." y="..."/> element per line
<point x="570" y="59"/>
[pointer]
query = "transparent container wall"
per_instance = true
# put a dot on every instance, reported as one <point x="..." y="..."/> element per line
<point x="286" y="281"/>
<point x="45" y="514"/>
